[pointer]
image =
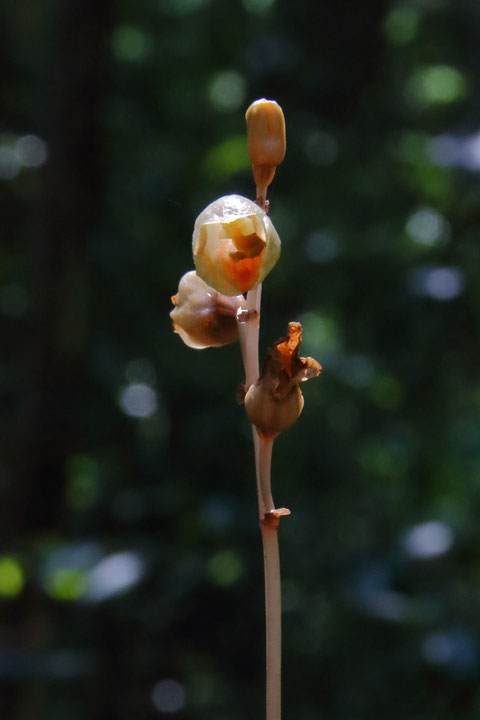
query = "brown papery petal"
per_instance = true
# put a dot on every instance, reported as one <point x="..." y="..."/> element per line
<point x="288" y="347"/>
<point x="297" y="368"/>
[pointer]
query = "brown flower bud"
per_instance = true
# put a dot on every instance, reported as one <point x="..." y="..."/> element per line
<point x="202" y="316"/>
<point x="275" y="401"/>
<point x="266" y="141"/>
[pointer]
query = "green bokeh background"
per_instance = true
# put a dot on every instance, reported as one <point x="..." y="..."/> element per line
<point x="131" y="579"/>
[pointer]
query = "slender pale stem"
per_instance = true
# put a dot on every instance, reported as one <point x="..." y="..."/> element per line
<point x="256" y="447"/>
<point x="273" y="599"/>
<point x="249" y="333"/>
<point x="252" y="331"/>
<point x="264" y="471"/>
<point x="248" y="327"/>
<point x="273" y="618"/>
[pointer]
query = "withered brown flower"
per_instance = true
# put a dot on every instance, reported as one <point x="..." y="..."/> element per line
<point x="202" y="316"/>
<point x="275" y="401"/>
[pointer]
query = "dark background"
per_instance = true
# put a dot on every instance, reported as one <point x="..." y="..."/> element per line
<point x="131" y="579"/>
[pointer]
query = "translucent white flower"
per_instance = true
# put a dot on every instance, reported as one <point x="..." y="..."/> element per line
<point x="235" y="245"/>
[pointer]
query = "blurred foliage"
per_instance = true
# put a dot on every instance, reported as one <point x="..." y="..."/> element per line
<point x="130" y="566"/>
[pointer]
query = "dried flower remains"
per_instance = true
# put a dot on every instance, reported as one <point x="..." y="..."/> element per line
<point x="202" y="316"/>
<point x="275" y="401"/>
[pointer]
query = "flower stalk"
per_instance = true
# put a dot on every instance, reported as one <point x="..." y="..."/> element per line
<point x="273" y="621"/>
<point x="263" y="447"/>
<point x="235" y="245"/>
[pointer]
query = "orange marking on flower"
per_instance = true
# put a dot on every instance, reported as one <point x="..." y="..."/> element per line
<point x="244" y="272"/>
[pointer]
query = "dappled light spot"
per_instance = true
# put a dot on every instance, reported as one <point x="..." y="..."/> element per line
<point x="438" y="648"/>
<point x="81" y="490"/>
<point x="31" y="151"/>
<point x="227" y="91"/>
<point x="130" y="44"/>
<point x="457" y="649"/>
<point x="445" y="150"/>
<point x="381" y="460"/>
<point x="217" y="513"/>
<point x="227" y="158"/>
<point x="402" y="25"/>
<point x="451" y="150"/>
<point x="428" y="540"/>
<point x="114" y="575"/>
<point x="427" y="227"/>
<point x="11" y="576"/>
<point x="411" y="148"/>
<point x="138" y="400"/>
<point x="66" y="584"/>
<point x="225" y="568"/>
<point x="141" y="370"/>
<point x="356" y="370"/>
<point x="321" y="247"/>
<point x="321" y="148"/>
<point x="437" y="85"/>
<point x="373" y="595"/>
<point x="439" y="283"/>
<point x="470" y="152"/>
<point x="387" y="605"/>
<point x="258" y="7"/>
<point x="26" y="151"/>
<point x="9" y="163"/>
<point x="320" y="335"/>
<point x="63" y="573"/>
<point x="387" y="392"/>
<point x="168" y="696"/>
<point x="182" y="7"/>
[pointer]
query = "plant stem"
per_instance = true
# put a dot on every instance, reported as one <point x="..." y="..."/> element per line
<point x="252" y="331"/>
<point x="264" y="471"/>
<point x="249" y="334"/>
<point x="273" y="618"/>
<point x="273" y="600"/>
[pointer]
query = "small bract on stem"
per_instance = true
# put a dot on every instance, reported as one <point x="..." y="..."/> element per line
<point x="235" y="245"/>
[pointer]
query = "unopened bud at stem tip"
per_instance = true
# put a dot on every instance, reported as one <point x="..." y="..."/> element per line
<point x="266" y="141"/>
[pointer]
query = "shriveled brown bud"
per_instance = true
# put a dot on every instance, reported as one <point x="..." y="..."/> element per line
<point x="202" y="316"/>
<point x="266" y="141"/>
<point x="275" y="401"/>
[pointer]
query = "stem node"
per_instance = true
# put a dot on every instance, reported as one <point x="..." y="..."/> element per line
<point x="271" y="519"/>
